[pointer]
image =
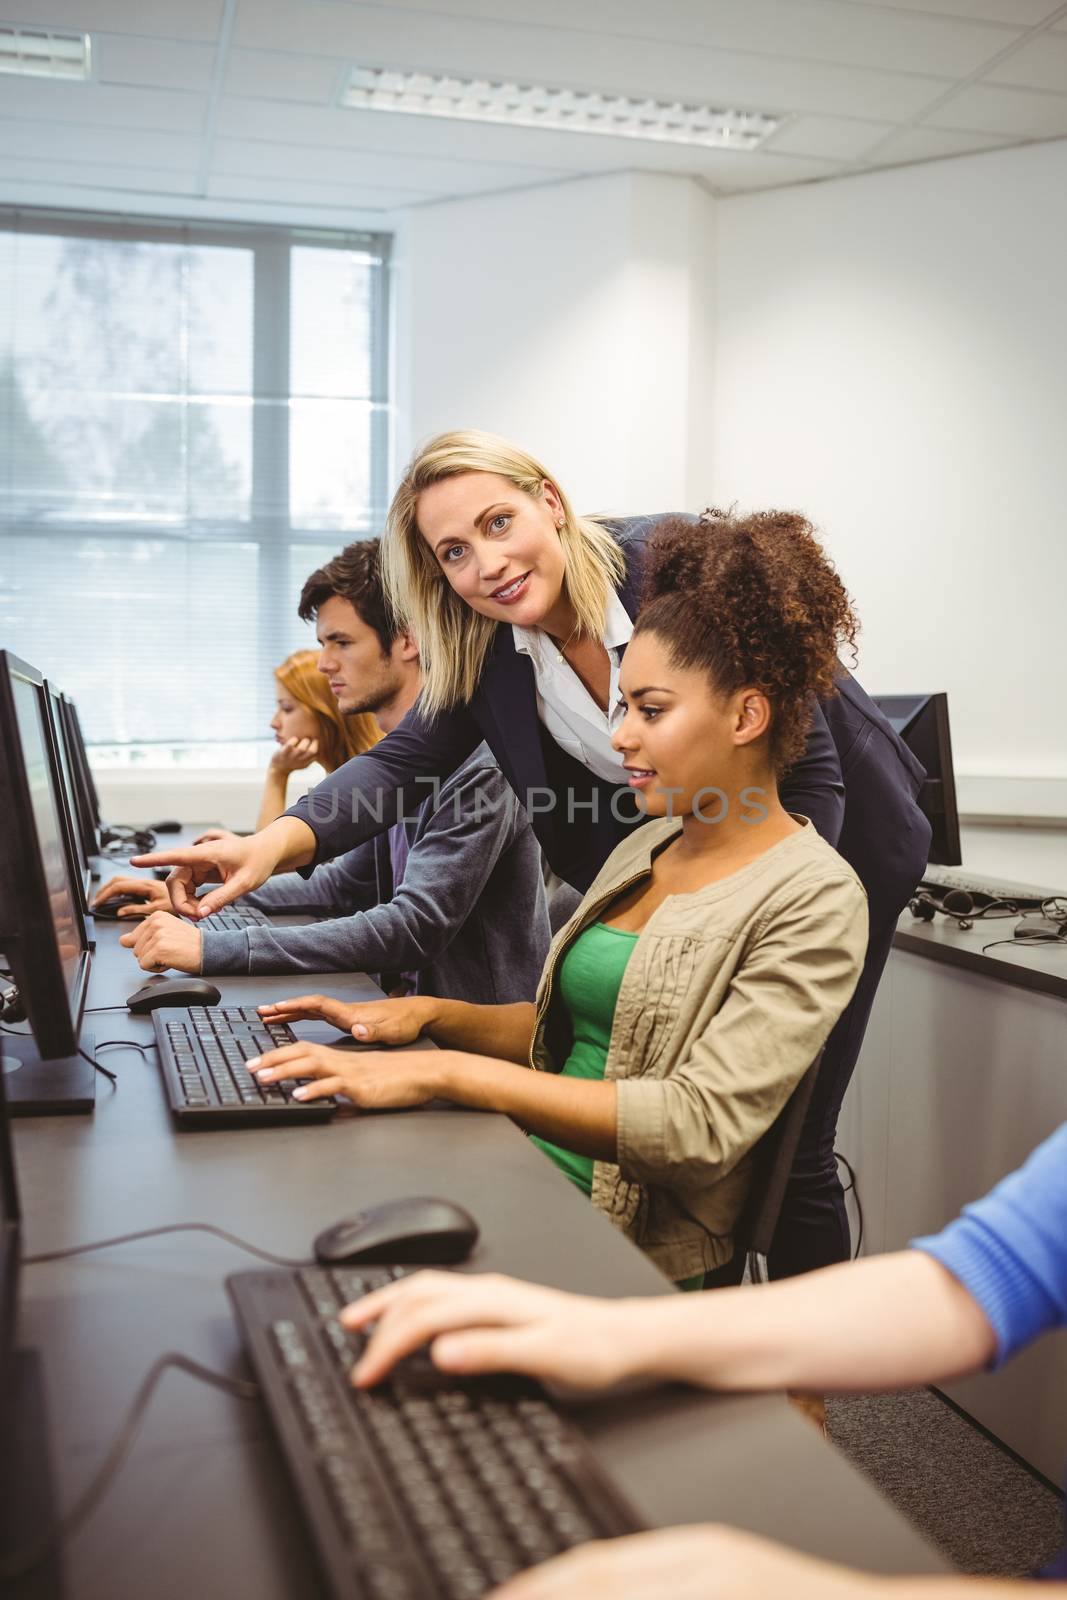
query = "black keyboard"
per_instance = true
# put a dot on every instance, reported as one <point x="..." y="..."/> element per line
<point x="234" y="917"/>
<point x="424" y="1488"/>
<point x="202" y="1053"/>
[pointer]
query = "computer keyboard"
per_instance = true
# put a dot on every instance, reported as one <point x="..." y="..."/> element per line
<point x="234" y="917"/>
<point x="424" y="1488"/>
<point x="202" y="1054"/>
<point x="977" y="884"/>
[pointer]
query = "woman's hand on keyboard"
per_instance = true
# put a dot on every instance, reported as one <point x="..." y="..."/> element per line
<point x="371" y="1022"/>
<point x="373" y="1080"/>
<point x="490" y="1323"/>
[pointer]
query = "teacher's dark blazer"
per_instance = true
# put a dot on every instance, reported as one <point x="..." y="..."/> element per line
<point x="856" y="780"/>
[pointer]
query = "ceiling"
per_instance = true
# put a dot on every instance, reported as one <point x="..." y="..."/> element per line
<point x="236" y="102"/>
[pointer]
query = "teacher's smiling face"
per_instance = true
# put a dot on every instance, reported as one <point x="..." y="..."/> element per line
<point x="498" y="547"/>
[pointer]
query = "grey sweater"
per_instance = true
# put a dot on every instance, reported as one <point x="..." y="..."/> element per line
<point x="469" y="918"/>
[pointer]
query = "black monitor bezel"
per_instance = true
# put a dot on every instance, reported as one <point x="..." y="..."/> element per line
<point x="53" y="1010"/>
<point x="84" y="787"/>
<point x="927" y="714"/>
<point x="10" y="1244"/>
<point x="64" y="781"/>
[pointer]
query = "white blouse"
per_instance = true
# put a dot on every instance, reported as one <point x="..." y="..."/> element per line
<point x="565" y="706"/>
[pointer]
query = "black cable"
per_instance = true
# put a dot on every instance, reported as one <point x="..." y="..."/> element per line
<point x="169" y="1227"/>
<point x="853" y="1189"/>
<point x="96" y="1065"/>
<point x="127" y="1044"/>
<point x="117" y="1452"/>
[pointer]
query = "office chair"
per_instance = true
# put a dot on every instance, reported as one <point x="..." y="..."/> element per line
<point x="773" y="1160"/>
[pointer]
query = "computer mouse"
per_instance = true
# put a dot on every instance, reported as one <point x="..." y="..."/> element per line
<point x="172" y="992"/>
<point x="110" y="908"/>
<point x="425" y="1230"/>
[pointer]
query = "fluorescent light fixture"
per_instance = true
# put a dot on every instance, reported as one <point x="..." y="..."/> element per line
<point x="43" y="52"/>
<point x="529" y="105"/>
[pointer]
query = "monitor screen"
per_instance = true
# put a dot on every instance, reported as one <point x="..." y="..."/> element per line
<point x="84" y="788"/>
<point x="77" y="858"/>
<point x="921" y="720"/>
<point x="41" y="927"/>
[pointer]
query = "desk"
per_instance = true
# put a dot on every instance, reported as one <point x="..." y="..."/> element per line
<point x="963" y="1072"/>
<point x="203" y="1507"/>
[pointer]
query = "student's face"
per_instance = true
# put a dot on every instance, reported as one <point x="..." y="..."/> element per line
<point x="498" y="548"/>
<point x="677" y="734"/>
<point x="291" y="719"/>
<point x="362" y="677"/>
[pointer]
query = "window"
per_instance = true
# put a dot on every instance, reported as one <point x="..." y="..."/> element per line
<point x="192" y="418"/>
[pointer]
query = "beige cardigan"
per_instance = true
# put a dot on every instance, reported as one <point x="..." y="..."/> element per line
<point x="728" y="997"/>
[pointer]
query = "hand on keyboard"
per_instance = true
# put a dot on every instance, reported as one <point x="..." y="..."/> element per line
<point x="371" y="1022"/>
<point x="163" y="940"/>
<point x="373" y="1080"/>
<point x="490" y="1323"/>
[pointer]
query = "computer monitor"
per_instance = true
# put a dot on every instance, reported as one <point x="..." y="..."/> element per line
<point x="87" y="803"/>
<point x="42" y="930"/>
<point x="921" y="720"/>
<point x="9" y="1254"/>
<point x="63" y="774"/>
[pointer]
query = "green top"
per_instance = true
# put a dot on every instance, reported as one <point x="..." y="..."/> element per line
<point x="590" y="977"/>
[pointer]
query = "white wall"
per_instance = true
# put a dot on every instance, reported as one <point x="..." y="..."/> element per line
<point x="892" y="359"/>
<point x="576" y="319"/>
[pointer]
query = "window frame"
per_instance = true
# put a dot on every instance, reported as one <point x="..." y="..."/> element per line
<point x="269" y="525"/>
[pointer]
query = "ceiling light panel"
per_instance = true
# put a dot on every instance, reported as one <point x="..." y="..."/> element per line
<point x="43" y="52"/>
<point x="527" y="105"/>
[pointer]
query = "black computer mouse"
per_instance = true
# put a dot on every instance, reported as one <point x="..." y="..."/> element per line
<point x="173" y="992"/>
<point x="423" y="1229"/>
<point x="110" y="908"/>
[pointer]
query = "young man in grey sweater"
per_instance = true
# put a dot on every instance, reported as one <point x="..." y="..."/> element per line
<point x="449" y="902"/>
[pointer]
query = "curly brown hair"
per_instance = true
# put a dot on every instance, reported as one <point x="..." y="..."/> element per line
<point x="355" y="576"/>
<point x="753" y="601"/>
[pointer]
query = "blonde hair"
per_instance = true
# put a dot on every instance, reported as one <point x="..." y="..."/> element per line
<point x="340" y="737"/>
<point x="455" y="640"/>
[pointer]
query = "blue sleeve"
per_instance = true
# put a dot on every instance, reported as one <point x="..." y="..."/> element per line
<point x="1010" y="1250"/>
<point x="367" y="795"/>
<point x="813" y="786"/>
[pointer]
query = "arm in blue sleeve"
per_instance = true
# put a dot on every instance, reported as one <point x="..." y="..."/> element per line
<point x="365" y="796"/>
<point x="813" y="786"/>
<point x="446" y="871"/>
<point x="1009" y="1250"/>
<point x="348" y="884"/>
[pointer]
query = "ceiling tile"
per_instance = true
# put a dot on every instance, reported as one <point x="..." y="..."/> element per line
<point x="924" y="144"/>
<point x="834" y="138"/>
<point x="727" y="173"/>
<point x="1020" y="13"/>
<point x="158" y="19"/>
<point x="985" y="108"/>
<point x="359" y="166"/>
<point x="346" y="197"/>
<point x="284" y="75"/>
<point x="107" y="105"/>
<point x="811" y="30"/>
<point x="582" y="59"/>
<point x="162" y="63"/>
<point x="1040" y="63"/>
<point x="62" y="141"/>
<point x="140" y="180"/>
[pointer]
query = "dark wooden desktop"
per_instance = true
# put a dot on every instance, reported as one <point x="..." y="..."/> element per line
<point x="202" y="1508"/>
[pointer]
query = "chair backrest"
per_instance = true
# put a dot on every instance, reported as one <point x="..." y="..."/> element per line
<point x="773" y="1159"/>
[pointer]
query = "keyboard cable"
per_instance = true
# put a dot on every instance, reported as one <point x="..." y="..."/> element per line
<point x="98" y="1485"/>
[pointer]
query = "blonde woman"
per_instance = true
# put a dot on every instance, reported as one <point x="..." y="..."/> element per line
<point x="523" y="610"/>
